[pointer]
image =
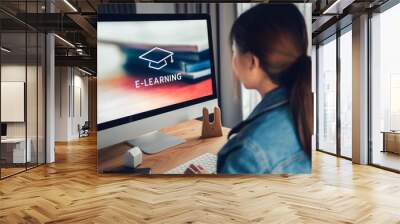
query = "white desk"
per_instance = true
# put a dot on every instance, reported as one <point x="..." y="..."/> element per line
<point x="17" y="147"/>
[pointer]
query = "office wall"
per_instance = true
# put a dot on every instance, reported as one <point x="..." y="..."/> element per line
<point x="12" y="73"/>
<point x="80" y="103"/>
<point x="62" y="80"/>
<point x="71" y="102"/>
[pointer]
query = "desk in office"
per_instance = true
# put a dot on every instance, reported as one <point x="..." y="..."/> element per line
<point x="17" y="154"/>
<point x="391" y="141"/>
<point x="112" y="157"/>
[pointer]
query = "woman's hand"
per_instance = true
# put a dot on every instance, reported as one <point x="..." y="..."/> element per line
<point x="195" y="169"/>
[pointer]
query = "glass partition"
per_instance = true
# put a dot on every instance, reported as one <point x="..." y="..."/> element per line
<point x="327" y="96"/>
<point x="41" y="96"/>
<point x="31" y="98"/>
<point x="22" y="90"/>
<point x="13" y="106"/>
<point x="41" y="87"/>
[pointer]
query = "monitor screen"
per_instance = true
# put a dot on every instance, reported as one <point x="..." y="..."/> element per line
<point x="3" y="129"/>
<point x="151" y="64"/>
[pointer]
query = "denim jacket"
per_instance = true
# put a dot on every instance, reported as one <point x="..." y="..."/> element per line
<point x="267" y="144"/>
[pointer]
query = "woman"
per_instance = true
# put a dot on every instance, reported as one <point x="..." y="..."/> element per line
<point x="269" y="54"/>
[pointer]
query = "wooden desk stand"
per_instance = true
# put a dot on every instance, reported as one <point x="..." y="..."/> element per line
<point x="211" y="129"/>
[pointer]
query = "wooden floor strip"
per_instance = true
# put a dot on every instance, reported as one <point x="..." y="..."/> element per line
<point x="70" y="191"/>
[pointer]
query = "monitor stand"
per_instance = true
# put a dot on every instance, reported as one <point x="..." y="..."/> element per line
<point x="154" y="142"/>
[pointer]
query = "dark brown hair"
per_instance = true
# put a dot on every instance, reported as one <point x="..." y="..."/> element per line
<point x="276" y="34"/>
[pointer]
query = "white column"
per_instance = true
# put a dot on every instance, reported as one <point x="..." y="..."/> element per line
<point x="360" y="90"/>
<point x="50" y="92"/>
<point x="50" y="99"/>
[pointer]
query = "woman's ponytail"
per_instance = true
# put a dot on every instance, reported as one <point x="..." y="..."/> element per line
<point x="297" y="78"/>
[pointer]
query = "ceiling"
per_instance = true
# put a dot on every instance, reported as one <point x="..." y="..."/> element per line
<point x="75" y="22"/>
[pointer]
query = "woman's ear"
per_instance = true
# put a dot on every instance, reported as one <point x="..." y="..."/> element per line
<point x="255" y="62"/>
<point x="248" y="61"/>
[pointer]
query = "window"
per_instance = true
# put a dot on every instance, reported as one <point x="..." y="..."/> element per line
<point x="385" y="89"/>
<point x="334" y="94"/>
<point x="346" y="93"/>
<point x="327" y="96"/>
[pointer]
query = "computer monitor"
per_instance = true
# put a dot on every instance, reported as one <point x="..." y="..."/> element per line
<point x="153" y="71"/>
<point x="3" y="130"/>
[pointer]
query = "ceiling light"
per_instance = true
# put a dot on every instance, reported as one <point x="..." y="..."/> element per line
<point x="84" y="71"/>
<point x="5" y="50"/>
<point x="338" y="6"/>
<point x="326" y="11"/>
<point x="70" y="5"/>
<point x="65" y="41"/>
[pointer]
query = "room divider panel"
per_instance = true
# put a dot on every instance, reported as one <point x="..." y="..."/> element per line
<point x="22" y="77"/>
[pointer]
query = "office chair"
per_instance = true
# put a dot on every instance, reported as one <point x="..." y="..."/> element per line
<point x="84" y="130"/>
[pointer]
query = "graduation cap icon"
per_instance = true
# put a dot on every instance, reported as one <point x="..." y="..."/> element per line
<point x="157" y="57"/>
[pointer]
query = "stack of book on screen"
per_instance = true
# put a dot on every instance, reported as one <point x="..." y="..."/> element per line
<point x="192" y="65"/>
<point x="191" y="60"/>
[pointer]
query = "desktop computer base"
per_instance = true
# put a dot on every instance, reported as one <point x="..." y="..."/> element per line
<point x="155" y="142"/>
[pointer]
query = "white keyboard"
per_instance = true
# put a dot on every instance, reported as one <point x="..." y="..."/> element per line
<point x="208" y="161"/>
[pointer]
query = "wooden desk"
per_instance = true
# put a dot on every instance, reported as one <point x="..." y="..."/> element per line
<point x="391" y="141"/>
<point x="112" y="157"/>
